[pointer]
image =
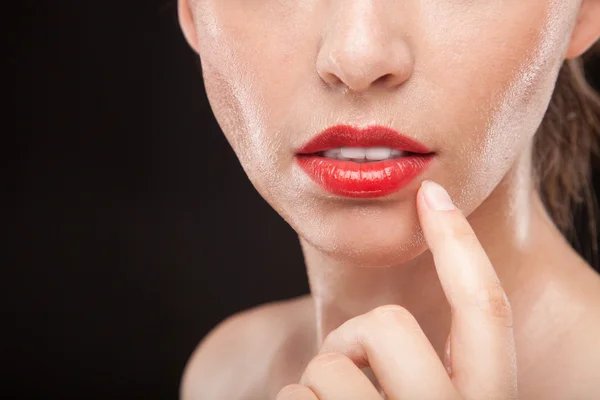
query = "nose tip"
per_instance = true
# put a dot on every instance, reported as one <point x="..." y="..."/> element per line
<point x="362" y="74"/>
<point x="362" y="60"/>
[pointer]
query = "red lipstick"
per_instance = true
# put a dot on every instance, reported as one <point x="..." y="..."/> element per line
<point x="364" y="179"/>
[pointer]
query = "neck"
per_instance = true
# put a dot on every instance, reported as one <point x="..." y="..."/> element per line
<point x="506" y="223"/>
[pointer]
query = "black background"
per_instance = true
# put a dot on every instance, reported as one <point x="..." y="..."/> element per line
<point x="129" y="245"/>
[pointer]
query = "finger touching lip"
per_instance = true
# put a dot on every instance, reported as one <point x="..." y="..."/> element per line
<point x="482" y="348"/>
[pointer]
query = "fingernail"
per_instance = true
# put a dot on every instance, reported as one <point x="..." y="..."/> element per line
<point x="436" y="197"/>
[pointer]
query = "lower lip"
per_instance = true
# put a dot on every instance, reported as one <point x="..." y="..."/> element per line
<point x="363" y="180"/>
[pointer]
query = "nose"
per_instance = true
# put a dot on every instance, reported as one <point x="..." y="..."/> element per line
<point x="362" y="49"/>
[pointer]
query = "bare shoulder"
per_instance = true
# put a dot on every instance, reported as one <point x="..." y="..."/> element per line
<point x="582" y="345"/>
<point x="576" y="358"/>
<point x="238" y="350"/>
<point x="568" y="369"/>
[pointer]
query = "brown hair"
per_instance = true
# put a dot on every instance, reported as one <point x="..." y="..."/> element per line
<point x="566" y="146"/>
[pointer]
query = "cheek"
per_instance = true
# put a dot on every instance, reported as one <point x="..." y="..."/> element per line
<point x="493" y="91"/>
<point x="254" y="75"/>
<point x="236" y="105"/>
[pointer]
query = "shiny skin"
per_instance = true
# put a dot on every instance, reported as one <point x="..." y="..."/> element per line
<point x="469" y="79"/>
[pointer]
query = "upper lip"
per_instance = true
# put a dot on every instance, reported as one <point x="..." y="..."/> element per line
<point x="349" y="136"/>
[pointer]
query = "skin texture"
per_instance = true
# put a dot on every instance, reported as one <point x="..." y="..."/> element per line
<point x="469" y="79"/>
<point x="390" y="341"/>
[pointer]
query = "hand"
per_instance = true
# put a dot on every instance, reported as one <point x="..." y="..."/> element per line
<point x="480" y="353"/>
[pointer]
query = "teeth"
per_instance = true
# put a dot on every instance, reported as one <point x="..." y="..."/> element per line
<point x="378" y="153"/>
<point x="363" y="154"/>
<point x="354" y="152"/>
<point x="333" y="153"/>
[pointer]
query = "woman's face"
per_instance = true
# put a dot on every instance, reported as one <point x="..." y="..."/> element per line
<point x="471" y="80"/>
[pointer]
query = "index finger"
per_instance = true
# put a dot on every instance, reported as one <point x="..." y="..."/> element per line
<point x="481" y="341"/>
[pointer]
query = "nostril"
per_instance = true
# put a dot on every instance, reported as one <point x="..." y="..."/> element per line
<point x="335" y="80"/>
<point x="382" y="80"/>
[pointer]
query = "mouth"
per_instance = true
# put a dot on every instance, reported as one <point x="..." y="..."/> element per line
<point x="367" y="163"/>
<point x="363" y="154"/>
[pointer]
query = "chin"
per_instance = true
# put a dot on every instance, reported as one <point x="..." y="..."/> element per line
<point x="367" y="235"/>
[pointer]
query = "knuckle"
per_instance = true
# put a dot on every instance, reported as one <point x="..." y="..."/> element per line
<point x="492" y="300"/>
<point x="394" y="314"/>
<point x="332" y="338"/>
<point x="324" y="362"/>
<point x="293" y="392"/>
<point x="349" y="331"/>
